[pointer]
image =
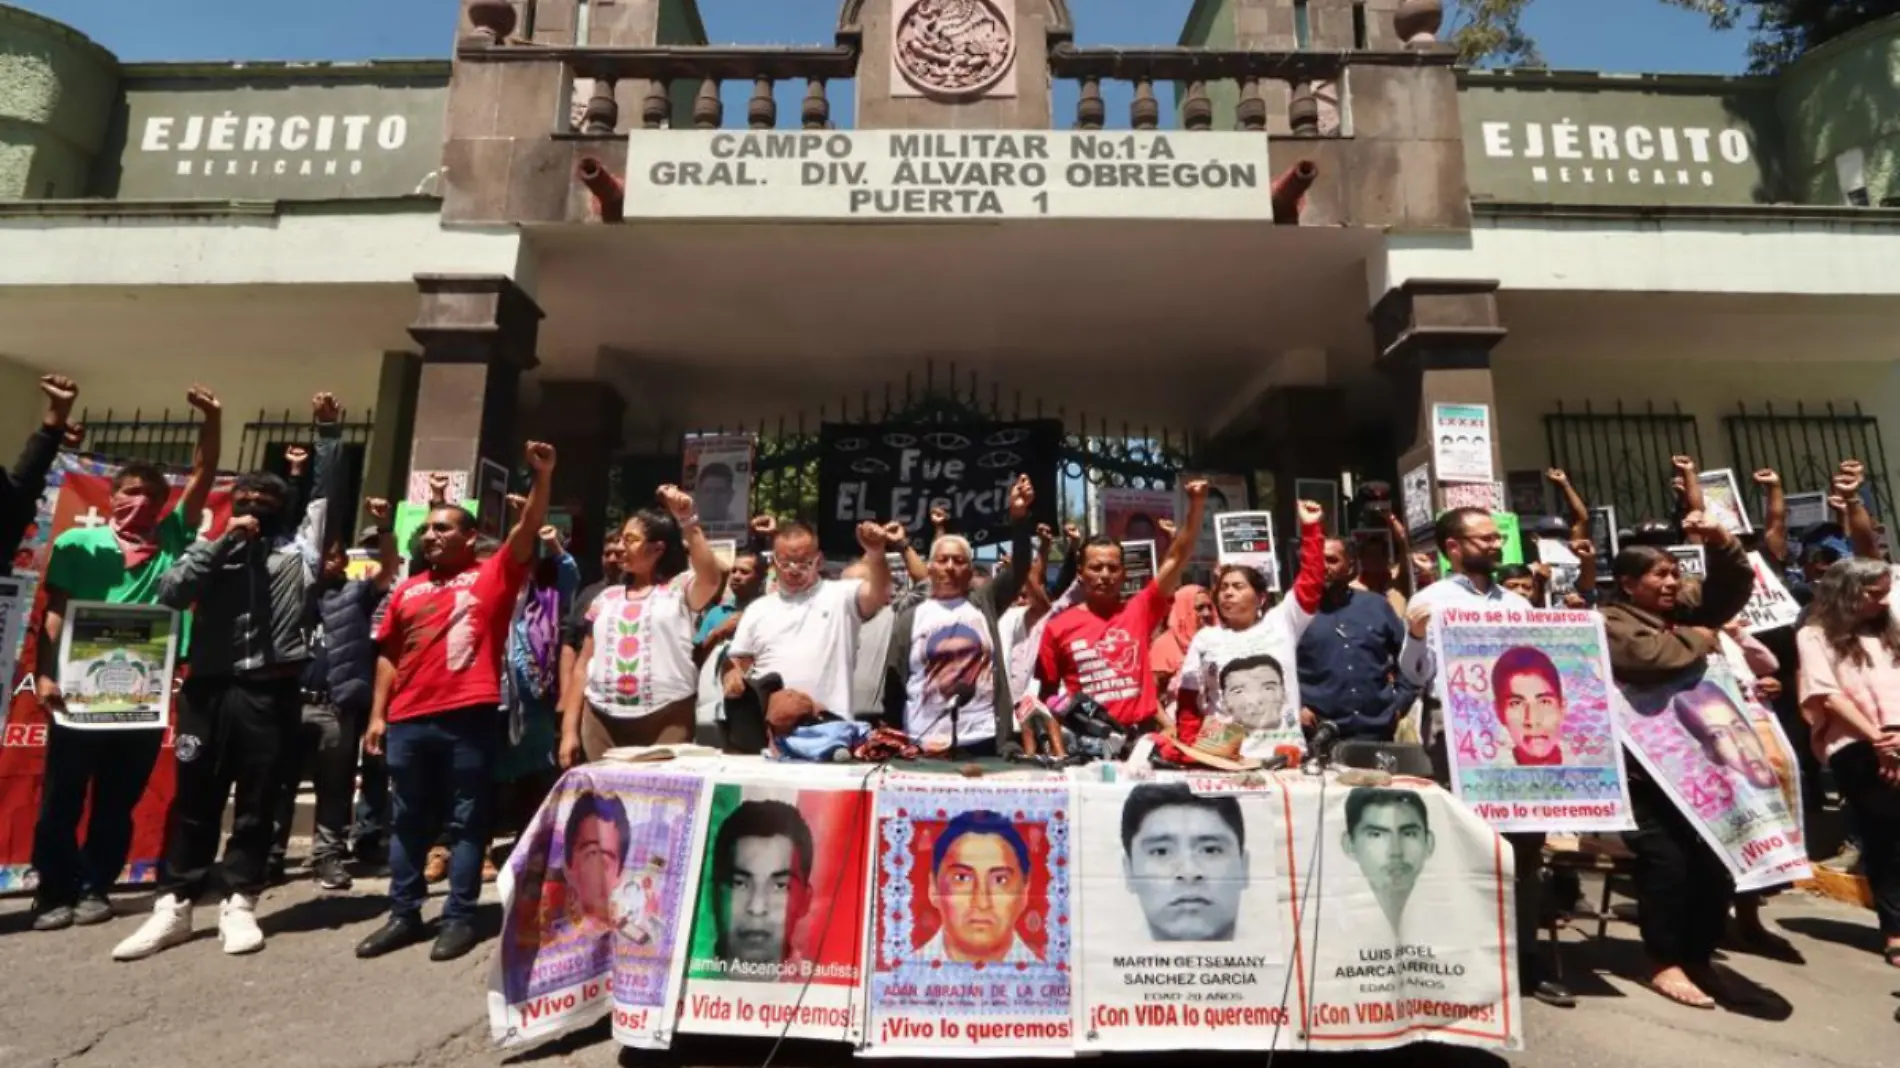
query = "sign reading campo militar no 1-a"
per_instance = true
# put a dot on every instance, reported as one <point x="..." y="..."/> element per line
<point x="281" y="139"/>
<point x="1555" y="139"/>
<point x="880" y="175"/>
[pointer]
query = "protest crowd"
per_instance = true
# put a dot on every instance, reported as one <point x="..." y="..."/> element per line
<point x="434" y="692"/>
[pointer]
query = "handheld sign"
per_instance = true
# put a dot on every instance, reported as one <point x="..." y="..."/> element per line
<point x="1770" y="605"/>
<point x="1691" y="559"/>
<point x="1246" y="538"/>
<point x="1138" y="566"/>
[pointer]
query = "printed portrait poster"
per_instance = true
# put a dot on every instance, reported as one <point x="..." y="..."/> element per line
<point x="969" y="950"/>
<point x="717" y="471"/>
<point x="1603" y="535"/>
<point x="1770" y="605"/>
<point x="78" y="494"/>
<point x="1415" y="493"/>
<point x="777" y="936"/>
<point x="115" y="665"/>
<point x="1183" y="938"/>
<point x="1722" y="500"/>
<point x="16" y="601"/>
<point x="595" y="900"/>
<point x="1246" y="538"/>
<point x="1405" y="920"/>
<point x="1565" y="567"/>
<point x="1461" y="443"/>
<point x="1531" y="734"/>
<point x="1695" y="737"/>
<point x="1781" y="756"/>
<point x="1225" y="493"/>
<point x="1136" y="514"/>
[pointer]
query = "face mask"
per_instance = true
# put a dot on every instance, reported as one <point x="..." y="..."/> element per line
<point x="134" y="521"/>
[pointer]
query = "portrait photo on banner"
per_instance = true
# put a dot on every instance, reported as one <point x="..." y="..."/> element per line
<point x="971" y="933"/>
<point x="1712" y="750"/>
<point x="593" y="905"/>
<point x="1530" y="732"/>
<point x="1137" y="514"/>
<point x="777" y="935"/>
<point x="1183" y="933"/>
<point x="1405" y="918"/>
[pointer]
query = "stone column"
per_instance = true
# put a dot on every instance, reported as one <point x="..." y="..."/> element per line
<point x="477" y="334"/>
<point x="582" y="420"/>
<point x="1435" y="339"/>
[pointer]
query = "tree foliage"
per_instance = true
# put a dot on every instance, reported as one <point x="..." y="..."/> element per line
<point x="1491" y="32"/>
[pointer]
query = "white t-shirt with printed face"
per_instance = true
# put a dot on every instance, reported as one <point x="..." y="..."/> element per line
<point x="950" y="649"/>
<point x="643" y="649"/>
<point x="1265" y="698"/>
<point x="808" y="639"/>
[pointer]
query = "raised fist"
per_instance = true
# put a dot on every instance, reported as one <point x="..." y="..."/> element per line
<point x="1767" y="477"/>
<point x="541" y="457"/>
<point x="516" y="502"/>
<point x="765" y="526"/>
<point x="1556" y="475"/>
<point x="551" y="536"/>
<point x="204" y="400"/>
<point x="1166" y="527"/>
<point x="438" y="488"/>
<point x="1584" y="548"/>
<point x="1045" y="534"/>
<point x="75" y="435"/>
<point x="1072" y="533"/>
<point x="871" y="537"/>
<point x="378" y="509"/>
<point x="60" y="393"/>
<point x="1311" y="513"/>
<point x="895" y="536"/>
<point x="677" y="502"/>
<point x="296" y="456"/>
<point x="324" y="409"/>
<point x="1697" y="523"/>
<point x="1196" y="491"/>
<point x="939" y="519"/>
<point x="1021" y="496"/>
<point x="1684" y="466"/>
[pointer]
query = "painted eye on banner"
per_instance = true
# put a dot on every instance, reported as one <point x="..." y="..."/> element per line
<point x="870" y="465"/>
<point x="1012" y="436"/>
<point x="852" y="445"/>
<point x="945" y="440"/>
<point x="980" y="537"/>
<point x="900" y="440"/>
<point x="993" y="460"/>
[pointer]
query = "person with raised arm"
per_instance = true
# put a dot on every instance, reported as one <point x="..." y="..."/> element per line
<point x="435" y="712"/>
<point x="118" y="562"/>
<point x="21" y="487"/>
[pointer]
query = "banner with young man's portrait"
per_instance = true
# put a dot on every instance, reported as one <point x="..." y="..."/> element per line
<point x="1183" y="941"/>
<point x="777" y="934"/>
<point x="595" y="897"/>
<point x="969" y="952"/>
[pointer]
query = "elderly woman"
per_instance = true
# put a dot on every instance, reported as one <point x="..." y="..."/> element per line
<point x="947" y="671"/>
<point x="1661" y="628"/>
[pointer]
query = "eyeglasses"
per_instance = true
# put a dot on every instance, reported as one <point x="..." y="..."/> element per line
<point x="799" y="566"/>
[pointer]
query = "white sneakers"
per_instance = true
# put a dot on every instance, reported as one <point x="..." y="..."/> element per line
<point x="237" y="925"/>
<point x="170" y="925"/>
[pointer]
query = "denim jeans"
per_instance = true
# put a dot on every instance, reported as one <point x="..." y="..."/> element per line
<point x="113" y="767"/>
<point x="440" y="770"/>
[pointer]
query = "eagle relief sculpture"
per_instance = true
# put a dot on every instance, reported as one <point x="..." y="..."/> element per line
<point x="954" y="47"/>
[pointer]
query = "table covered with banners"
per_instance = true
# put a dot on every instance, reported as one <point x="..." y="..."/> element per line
<point x="1024" y="913"/>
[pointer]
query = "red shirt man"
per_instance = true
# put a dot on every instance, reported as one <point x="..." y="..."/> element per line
<point x="447" y="636"/>
<point x="1100" y="648"/>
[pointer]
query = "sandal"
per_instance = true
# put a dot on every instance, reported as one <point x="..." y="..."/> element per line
<point x="1892" y="954"/>
<point x="1682" y="991"/>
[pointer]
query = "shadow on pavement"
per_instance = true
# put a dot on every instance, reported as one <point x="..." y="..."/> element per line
<point x="328" y="913"/>
<point x="1840" y="932"/>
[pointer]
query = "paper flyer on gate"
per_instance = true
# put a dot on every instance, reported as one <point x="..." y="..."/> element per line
<point x="1530" y="733"/>
<point x="777" y="935"/>
<point x="970" y="934"/>
<point x="595" y="900"/>
<point x="1405" y="919"/>
<point x="1696" y="740"/>
<point x="1183" y="941"/>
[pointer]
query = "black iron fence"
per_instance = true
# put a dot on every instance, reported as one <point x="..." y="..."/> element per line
<point x="166" y="438"/>
<point x="1805" y="447"/>
<point x="1621" y="457"/>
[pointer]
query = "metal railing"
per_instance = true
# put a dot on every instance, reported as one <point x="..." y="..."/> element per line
<point x="1621" y="457"/>
<point x="1805" y="447"/>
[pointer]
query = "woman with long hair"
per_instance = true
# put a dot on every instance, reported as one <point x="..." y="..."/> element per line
<point x="1264" y="695"/>
<point x="1660" y="629"/>
<point x="634" y="681"/>
<point x="1850" y="696"/>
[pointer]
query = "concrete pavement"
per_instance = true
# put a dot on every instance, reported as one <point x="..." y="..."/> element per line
<point x="305" y="1000"/>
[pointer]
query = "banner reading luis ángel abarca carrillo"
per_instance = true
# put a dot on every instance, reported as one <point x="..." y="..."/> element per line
<point x="1404" y="920"/>
<point x="969" y="954"/>
<point x="594" y="901"/>
<point x="1531" y="737"/>
<point x="1183" y="935"/>
<point x="777" y="937"/>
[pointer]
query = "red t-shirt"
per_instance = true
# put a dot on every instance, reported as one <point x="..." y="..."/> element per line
<point x="1106" y="657"/>
<point x="448" y="637"/>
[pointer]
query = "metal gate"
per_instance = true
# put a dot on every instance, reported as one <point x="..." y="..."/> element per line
<point x="1805" y="447"/>
<point x="1094" y="453"/>
<point x="1622" y="457"/>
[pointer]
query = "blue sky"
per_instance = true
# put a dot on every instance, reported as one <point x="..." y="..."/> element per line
<point x="1608" y="35"/>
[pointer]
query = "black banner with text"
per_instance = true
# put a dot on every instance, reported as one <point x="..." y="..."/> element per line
<point x="896" y="472"/>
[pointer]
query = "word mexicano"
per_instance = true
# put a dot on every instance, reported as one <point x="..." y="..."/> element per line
<point x="267" y="134"/>
<point x="1565" y="141"/>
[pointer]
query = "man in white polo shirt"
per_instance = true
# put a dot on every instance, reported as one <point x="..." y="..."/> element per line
<point x="1470" y="540"/>
<point x="806" y="630"/>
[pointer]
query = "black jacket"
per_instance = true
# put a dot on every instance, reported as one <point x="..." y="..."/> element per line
<point x="20" y="490"/>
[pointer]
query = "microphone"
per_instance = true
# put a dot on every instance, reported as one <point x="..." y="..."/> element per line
<point x="1325" y="737"/>
<point x="962" y="696"/>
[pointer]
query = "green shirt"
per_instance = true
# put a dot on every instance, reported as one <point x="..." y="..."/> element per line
<point x="87" y="565"/>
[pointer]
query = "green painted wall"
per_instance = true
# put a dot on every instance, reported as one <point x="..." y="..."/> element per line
<point x="1844" y="96"/>
<point x="57" y="90"/>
